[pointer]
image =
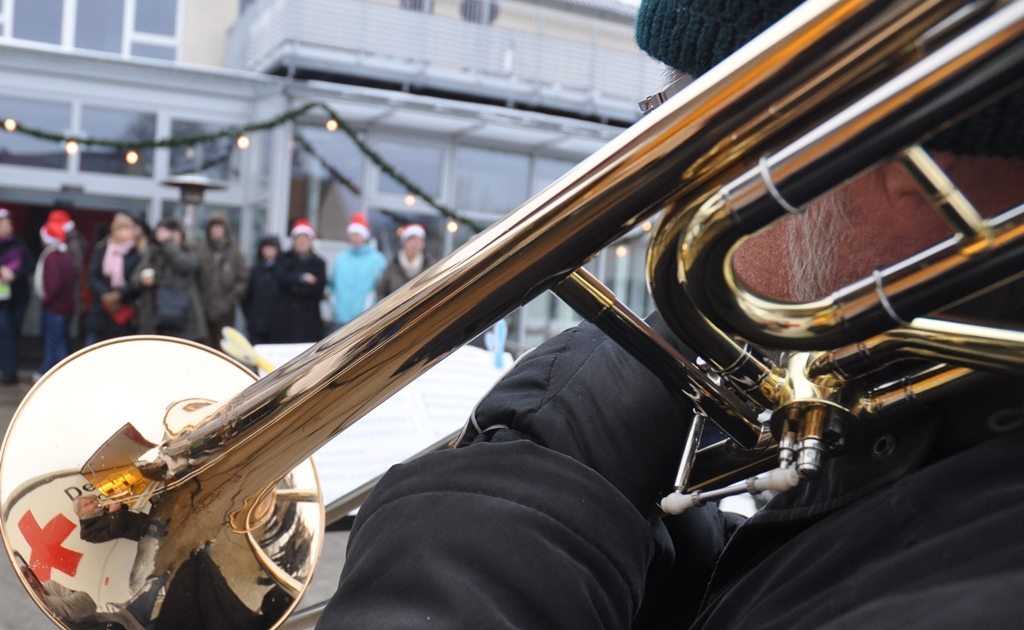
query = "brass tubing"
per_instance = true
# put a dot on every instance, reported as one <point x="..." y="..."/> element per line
<point x="596" y="303"/>
<point x="965" y="345"/>
<point x="263" y="432"/>
<point x="984" y="61"/>
<point x="899" y="34"/>
<point x="942" y="193"/>
<point x="915" y="389"/>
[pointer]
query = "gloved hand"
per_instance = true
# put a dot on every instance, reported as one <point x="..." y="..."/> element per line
<point x="582" y="395"/>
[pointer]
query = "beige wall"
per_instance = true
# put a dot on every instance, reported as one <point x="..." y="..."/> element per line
<point x="204" y="30"/>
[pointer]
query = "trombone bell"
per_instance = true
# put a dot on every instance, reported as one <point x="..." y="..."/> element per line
<point x="81" y="516"/>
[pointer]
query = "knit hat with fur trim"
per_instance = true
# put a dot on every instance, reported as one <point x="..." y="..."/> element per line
<point x="303" y="226"/>
<point x="359" y="225"/>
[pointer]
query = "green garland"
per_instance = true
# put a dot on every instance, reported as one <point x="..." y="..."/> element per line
<point x="334" y="173"/>
<point x="288" y="116"/>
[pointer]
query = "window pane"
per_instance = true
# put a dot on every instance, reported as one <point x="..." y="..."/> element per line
<point x="490" y="181"/>
<point x="156" y="16"/>
<point x="99" y="25"/>
<point x="116" y="124"/>
<point x="479" y="11"/>
<point x="315" y="194"/>
<point x="547" y="170"/>
<point x="153" y="52"/>
<point x="211" y="158"/>
<point x="17" y="148"/>
<point x="420" y="163"/>
<point x="38" y="20"/>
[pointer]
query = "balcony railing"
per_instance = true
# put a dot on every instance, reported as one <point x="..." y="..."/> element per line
<point x="534" y="61"/>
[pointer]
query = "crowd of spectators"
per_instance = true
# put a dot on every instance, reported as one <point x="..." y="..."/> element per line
<point x="142" y="281"/>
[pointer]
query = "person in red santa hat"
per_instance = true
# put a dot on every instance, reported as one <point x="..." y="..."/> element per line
<point x="302" y="276"/>
<point x="55" y="280"/>
<point x="355" y="273"/>
<point x="409" y="262"/>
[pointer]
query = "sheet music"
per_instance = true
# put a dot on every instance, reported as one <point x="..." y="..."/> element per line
<point x="428" y="409"/>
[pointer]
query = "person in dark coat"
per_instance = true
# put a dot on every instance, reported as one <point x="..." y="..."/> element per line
<point x="262" y="304"/>
<point x="545" y="515"/>
<point x="223" y="276"/>
<point x="175" y="278"/>
<point x="16" y="267"/>
<point x="409" y="261"/>
<point x="113" y="310"/>
<point x="302" y="276"/>
<point x="56" y="277"/>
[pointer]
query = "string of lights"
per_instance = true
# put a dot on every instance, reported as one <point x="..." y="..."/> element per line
<point x="131" y="148"/>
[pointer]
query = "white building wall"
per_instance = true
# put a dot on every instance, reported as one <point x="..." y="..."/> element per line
<point x="205" y="27"/>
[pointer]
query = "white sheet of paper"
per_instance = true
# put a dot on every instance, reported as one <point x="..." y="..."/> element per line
<point x="434" y="405"/>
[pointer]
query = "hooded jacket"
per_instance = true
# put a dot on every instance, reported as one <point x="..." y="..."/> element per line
<point x="223" y="275"/>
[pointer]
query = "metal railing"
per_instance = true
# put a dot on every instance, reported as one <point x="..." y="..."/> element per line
<point x="527" y="52"/>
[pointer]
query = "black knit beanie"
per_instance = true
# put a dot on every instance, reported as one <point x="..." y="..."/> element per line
<point x="694" y="35"/>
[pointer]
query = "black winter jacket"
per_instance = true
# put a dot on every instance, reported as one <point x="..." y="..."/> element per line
<point x="302" y="322"/>
<point x="545" y="524"/>
<point x="264" y="312"/>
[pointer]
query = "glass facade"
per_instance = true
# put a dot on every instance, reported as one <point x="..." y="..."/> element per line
<point x="318" y="196"/>
<point x="421" y="163"/>
<point x="149" y="51"/>
<point x="156" y="16"/>
<point x="213" y="158"/>
<point x="101" y="122"/>
<point x="38" y="20"/>
<point x="99" y="25"/>
<point x="16" y="148"/>
<point x="490" y="182"/>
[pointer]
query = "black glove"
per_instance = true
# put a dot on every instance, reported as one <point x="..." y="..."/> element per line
<point x="582" y="395"/>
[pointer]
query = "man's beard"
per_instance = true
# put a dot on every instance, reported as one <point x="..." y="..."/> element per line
<point x="812" y="240"/>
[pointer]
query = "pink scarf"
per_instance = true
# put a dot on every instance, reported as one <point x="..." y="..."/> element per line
<point x="113" y="262"/>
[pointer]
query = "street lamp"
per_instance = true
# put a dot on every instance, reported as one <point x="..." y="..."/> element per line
<point x="192" y="187"/>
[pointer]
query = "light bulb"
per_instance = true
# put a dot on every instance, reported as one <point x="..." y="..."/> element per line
<point x="621" y="251"/>
<point x="410" y="200"/>
<point x="332" y="125"/>
<point x="647" y="226"/>
<point x="71" y="147"/>
<point x="10" y="125"/>
<point x="243" y="142"/>
<point x="453" y="226"/>
<point x="131" y="157"/>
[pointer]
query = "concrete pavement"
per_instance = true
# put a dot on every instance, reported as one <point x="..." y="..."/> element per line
<point x="19" y="612"/>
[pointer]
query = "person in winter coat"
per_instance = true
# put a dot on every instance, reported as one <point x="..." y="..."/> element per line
<point x="356" y="271"/>
<point x="547" y="514"/>
<point x="262" y="303"/>
<point x="55" y="280"/>
<point x="112" y="281"/>
<point x="175" y="307"/>
<point x="223" y="276"/>
<point x="302" y="276"/>
<point x="409" y="262"/>
<point x="16" y="265"/>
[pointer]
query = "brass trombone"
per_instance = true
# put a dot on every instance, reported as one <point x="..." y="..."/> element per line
<point x="218" y="462"/>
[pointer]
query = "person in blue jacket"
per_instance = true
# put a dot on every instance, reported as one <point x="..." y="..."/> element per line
<point x="355" y="273"/>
